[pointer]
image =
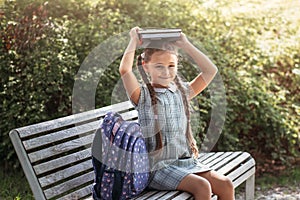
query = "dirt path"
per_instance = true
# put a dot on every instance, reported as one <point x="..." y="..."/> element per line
<point x="276" y="193"/>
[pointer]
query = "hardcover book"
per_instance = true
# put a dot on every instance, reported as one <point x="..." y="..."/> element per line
<point x="160" y="34"/>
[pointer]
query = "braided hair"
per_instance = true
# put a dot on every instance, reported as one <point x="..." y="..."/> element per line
<point x="158" y="135"/>
<point x="189" y="133"/>
<point x="148" y="52"/>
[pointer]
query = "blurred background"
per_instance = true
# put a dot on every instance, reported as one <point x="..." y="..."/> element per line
<point x="254" y="43"/>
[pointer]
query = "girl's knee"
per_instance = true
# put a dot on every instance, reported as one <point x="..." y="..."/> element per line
<point x="197" y="186"/>
<point x="204" y="184"/>
<point x="228" y="189"/>
<point x="202" y="189"/>
<point x="228" y="183"/>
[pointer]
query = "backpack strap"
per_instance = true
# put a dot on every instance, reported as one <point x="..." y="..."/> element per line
<point x="98" y="166"/>
<point x="118" y="185"/>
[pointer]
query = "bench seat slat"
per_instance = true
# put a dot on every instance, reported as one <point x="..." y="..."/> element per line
<point x="158" y="195"/>
<point x="183" y="196"/>
<point x="244" y="177"/>
<point x="205" y="156"/>
<point x="68" y="185"/>
<point x="230" y="165"/>
<point x="213" y="157"/>
<point x="220" y="158"/>
<point x="241" y="169"/>
<point x="170" y="195"/>
<point x="147" y="194"/>
<point x="72" y="119"/>
<point x="62" y="161"/>
<point x="201" y="155"/>
<point x="65" y="173"/>
<point x="78" y="194"/>
<point x="223" y="162"/>
<point x="69" y="132"/>
<point x="61" y="148"/>
<point x="61" y="135"/>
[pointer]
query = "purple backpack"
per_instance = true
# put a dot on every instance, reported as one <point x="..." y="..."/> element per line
<point x="120" y="159"/>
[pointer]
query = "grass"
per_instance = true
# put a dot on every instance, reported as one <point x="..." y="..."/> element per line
<point x="14" y="185"/>
<point x="289" y="178"/>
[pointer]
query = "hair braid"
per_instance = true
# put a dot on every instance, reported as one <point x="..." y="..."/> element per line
<point x="158" y="134"/>
<point x="189" y="133"/>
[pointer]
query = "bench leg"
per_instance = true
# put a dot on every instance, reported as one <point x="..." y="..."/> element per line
<point x="250" y="187"/>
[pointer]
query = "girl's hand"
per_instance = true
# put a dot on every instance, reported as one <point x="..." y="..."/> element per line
<point x="134" y="35"/>
<point x="182" y="42"/>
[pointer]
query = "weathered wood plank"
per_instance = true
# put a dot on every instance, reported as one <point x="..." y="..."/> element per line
<point x="170" y="195"/>
<point x="68" y="185"/>
<point x="205" y="156"/>
<point x="61" y="135"/>
<point x="241" y="169"/>
<point x="71" y="119"/>
<point x="158" y="195"/>
<point x="147" y="194"/>
<point x="69" y="132"/>
<point x="66" y="173"/>
<point x="220" y="158"/>
<point x="219" y="165"/>
<point x="183" y="196"/>
<point x="244" y="177"/>
<point x="61" y="148"/>
<point x="62" y="161"/>
<point x="78" y="194"/>
<point x="129" y="114"/>
<point x="213" y="157"/>
<point x="233" y="163"/>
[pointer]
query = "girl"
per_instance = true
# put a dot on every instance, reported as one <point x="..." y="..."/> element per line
<point x="163" y="110"/>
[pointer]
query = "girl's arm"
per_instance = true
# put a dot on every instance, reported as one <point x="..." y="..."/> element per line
<point x="130" y="82"/>
<point x="208" y="69"/>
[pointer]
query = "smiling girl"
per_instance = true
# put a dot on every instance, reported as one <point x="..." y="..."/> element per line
<point x="162" y="103"/>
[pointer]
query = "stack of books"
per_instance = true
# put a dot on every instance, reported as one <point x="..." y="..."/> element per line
<point x="160" y="34"/>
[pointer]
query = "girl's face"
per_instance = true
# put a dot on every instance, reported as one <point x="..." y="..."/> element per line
<point x="162" y="68"/>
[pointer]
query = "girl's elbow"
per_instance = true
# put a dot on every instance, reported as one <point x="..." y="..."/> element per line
<point x="215" y="69"/>
<point x="122" y="71"/>
<point x="212" y="73"/>
<point x="209" y="76"/>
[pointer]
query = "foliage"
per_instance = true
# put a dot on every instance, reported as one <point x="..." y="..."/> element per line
<point x="37" y="70"/>
<point x="262" y="86"/>
<point x="289" y="178"/>
<point x="14" y="185"/>
<point x="44" y="44"/>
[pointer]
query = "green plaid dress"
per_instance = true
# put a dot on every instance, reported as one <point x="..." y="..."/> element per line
<point x="174" y="161"/>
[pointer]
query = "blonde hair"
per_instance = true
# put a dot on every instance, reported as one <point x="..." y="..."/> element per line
<point x="148" y="52"/>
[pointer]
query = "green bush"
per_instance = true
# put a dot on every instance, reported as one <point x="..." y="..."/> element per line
<point x="44" y="44"/>
<point x="37" y="69"/>
<point x="262" y="88"/>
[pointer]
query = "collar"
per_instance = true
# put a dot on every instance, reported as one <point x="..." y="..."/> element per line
<point x="172" y="87"/>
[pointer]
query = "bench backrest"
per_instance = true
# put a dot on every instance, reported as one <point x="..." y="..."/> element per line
<point x="56" y="155"/>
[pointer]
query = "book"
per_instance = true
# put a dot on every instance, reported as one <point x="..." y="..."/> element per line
<point x="160" y="34"/>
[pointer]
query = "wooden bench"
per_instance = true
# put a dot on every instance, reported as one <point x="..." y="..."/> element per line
<point x="56" y="157"/>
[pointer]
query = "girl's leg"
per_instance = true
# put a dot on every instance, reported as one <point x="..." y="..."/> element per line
<point x="196" y="185"/>
<point x="220" y="184"/>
